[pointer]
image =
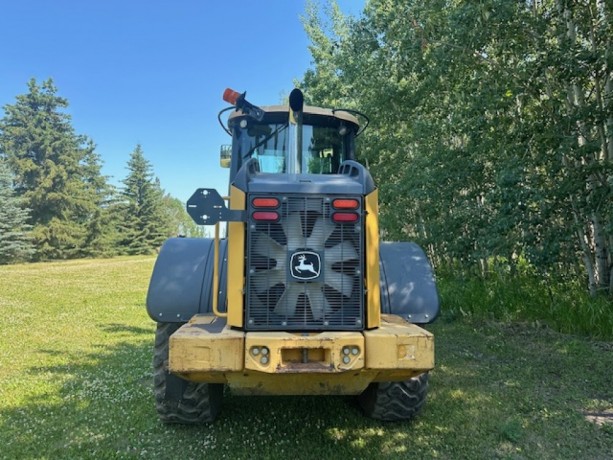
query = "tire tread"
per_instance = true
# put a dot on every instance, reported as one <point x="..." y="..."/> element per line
<point x="199" y="402"/>
<point x="394" y="401"/>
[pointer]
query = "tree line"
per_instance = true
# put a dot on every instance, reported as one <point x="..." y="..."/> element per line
<point x="491" y="134"/>
<point x="54" y="201"/>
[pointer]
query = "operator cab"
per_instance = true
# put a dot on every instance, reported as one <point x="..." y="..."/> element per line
<point x="325" y="140"/>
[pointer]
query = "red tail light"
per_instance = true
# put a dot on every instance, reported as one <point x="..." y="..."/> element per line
<point x="344" y="217"/>
<point x="267" y="216"/>
<point x="265" y="203"/>
<point x="345" y="203"/>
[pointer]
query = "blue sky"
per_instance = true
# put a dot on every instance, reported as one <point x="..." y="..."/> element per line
<point x="153" y="72"/>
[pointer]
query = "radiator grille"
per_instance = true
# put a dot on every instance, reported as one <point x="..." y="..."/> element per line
<point x="304" y="272"/>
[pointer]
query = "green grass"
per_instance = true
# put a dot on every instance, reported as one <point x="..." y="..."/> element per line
<point x="75" y="382"/>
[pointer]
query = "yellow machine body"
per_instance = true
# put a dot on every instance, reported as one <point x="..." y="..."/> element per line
<point x="208" y="350"/>
<point x="301" y="298"/>
<point x="214" y="349"/>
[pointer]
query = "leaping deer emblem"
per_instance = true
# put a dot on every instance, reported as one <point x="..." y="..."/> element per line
<point x="304" y="266"/>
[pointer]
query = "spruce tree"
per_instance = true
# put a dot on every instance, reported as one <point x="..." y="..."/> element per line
<point x="100" y="224"/>
<point x="15" y="244"/>
<point x="144" y="224"/>
<point x="56" y="171"/>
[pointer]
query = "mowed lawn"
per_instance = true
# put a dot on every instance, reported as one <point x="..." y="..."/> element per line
<point x="75" y="382"/>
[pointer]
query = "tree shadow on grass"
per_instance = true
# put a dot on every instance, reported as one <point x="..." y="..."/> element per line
<point x="76" y="404"/>
<point x="491" y="396"/>
<point x="124" y="328"/>
<point x="521" y="391"/>
<point x="100" y="405"/>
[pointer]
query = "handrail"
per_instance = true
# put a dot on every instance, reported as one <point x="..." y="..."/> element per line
<point x="216" y="312"/>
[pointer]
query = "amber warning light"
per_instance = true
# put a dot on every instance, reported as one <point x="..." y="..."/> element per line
<point x="230" y="96"/>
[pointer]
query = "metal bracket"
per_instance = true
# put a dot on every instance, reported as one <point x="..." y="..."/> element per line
<point x="248" y="108"/>
<point x="207" y="207"/>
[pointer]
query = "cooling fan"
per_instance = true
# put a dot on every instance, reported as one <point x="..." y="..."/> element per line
<point x="302" y="234"/>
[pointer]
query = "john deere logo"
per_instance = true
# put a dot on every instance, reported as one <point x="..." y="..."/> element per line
<point x="305" y="265"/>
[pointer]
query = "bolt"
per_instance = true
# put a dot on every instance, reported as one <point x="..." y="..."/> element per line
<point x="355" y="351"/>
<point x="264" y="360"/>
<point x="346" y="359"/>
<point x="346" y="351"/>
<point x="255" y="351"/>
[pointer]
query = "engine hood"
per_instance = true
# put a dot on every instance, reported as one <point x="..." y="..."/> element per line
<point x="353" y="179"/>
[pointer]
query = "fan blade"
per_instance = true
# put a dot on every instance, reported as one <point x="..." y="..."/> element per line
<point x="287" y="303"/>
<point x="340" y="253"/>
<point x="340" y="282"/>
<point x="265" y="246"/>
<point x="317" y="300"/>
<point x="266" y="279"/>
<point x="320" y="234"/>
<point x="293" y="231"/>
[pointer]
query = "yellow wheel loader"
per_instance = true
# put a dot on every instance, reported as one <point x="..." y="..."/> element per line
<point x="300" y="297"/>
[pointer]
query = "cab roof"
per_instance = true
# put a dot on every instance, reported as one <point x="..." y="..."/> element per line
<point x="310" y="110"/>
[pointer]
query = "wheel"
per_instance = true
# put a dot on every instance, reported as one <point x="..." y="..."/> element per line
<point x="393" y="401"/>
<point x="177" y="400"/>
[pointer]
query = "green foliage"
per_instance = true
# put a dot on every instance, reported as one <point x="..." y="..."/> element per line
<point x="181" y="224"/>
<point x="57" y="173"/>
<point x="15" y="243"/>
<point x="101" y="225"/>
<point x="563" y="305"/>
<point x="491" y="125"/>
<point x="144" y="222"/>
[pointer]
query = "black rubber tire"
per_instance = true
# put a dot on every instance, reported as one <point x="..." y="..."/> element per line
<point x="395" y="401"/>
<point x="176" y="399"/>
